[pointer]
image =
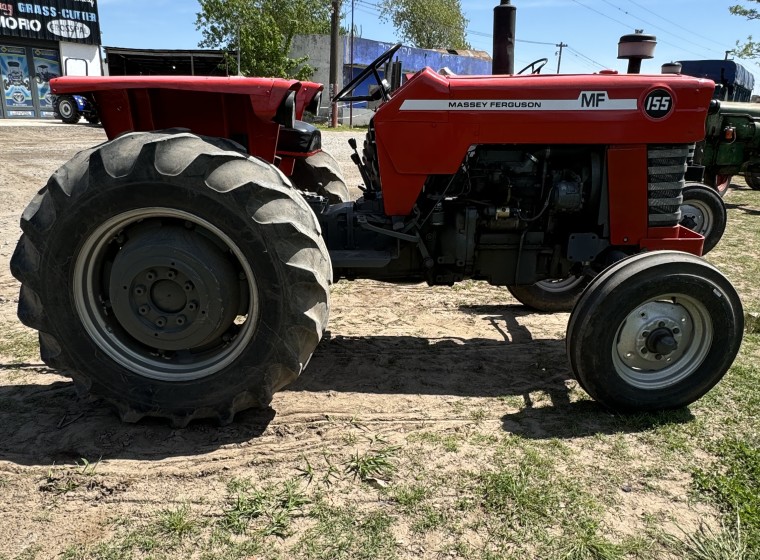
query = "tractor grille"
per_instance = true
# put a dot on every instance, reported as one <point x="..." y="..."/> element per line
<point x="666" y="170"/>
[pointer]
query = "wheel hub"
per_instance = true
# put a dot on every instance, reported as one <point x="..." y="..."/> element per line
<point x="173" y="289"/>
<point x="654" y="336"/>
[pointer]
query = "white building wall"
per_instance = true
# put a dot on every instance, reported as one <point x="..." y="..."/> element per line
<point x="80" y="60"/>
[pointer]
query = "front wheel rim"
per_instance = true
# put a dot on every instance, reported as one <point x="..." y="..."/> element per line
<point x="702" y="215"/>
<point x="119" y="327"/>
<point x="638" y="358"/>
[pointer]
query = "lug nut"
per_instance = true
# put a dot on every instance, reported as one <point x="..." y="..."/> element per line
<point x="151" y="275"/>
<point x="161" y="322"/>
<point x="192" y="306"/>
<point x="171" y="274"/>
<point x="143" y="310"/>
<point x="181" y="320"/>
<point x="139" y="290"/>
<point x="189" y="286"/>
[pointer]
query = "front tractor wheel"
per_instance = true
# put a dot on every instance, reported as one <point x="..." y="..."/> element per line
<point x="173" y="278"/>
<point x="654" y="331"/>
<point x="551" y="296"/>
<point x="704" y="212"/>
<point x="321" y="174"/>
<point x="67" y="109"/>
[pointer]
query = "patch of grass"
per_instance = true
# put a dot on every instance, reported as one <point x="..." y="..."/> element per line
<point x="410" y="496"/>
<point x="346" y="534"/>
<point x="268" y="511"/>
<point x="177" y="523"/>
<point x="20" y="346"/>
<point x="735" y="487"/>
<point x="707" y="544"/>
<point x="585" y="543"/>
<point x="449" y="442"/>
<point x="374" y="463"/>
<point x="429" y="518"/>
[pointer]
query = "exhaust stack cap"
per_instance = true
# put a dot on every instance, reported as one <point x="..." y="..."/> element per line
<point x="671" y="68"/>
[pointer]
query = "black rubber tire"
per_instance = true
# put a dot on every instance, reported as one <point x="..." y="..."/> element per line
<point x="67" y="110"/>
<point x="321" y="174"/>
<point x="551" y="296"/>
<point x="658" y="284"/>
<point x="753" y="180"/>
<point x="92" y="119"/>
<point x="123" y="195"/>
<point x="704" y="211"/>
<point x="721" y="183"/>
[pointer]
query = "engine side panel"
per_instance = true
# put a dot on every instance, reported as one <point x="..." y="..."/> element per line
<point x="432" y="120"/>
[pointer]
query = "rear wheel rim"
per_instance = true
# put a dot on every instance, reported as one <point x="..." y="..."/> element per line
<point x="121" y="324"/>
<point x="634" y="353"/>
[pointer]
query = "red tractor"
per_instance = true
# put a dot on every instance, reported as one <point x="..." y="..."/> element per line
<point x="178" y="273"/>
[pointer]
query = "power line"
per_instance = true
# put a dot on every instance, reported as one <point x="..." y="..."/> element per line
<point x="577" y="53"/>
<point x="677" y="25"/>
<point x="650" y="23"/>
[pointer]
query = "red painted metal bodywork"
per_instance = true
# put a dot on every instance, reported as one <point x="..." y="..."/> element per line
<point x="413" y="144"/>
<point x="233" y="107"/>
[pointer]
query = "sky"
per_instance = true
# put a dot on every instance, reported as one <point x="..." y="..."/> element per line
<point x="685" y="29"/>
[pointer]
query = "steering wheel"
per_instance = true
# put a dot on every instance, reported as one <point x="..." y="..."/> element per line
<point x="373" y="67"/>
<point x="535" y="66"/>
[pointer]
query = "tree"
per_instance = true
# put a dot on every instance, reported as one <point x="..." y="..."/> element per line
<point x="428" y="24"/>
<point x="264" y="30"/>
<point x="750" y="49"/>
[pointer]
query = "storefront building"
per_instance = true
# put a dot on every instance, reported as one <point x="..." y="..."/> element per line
<point x="41" y="40"/>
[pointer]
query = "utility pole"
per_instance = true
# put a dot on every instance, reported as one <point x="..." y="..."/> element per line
<point x="351" y="64"/>
<point x="559" y="60"/>
<point x="334" y="62"/>
<point x="728" y="53"/>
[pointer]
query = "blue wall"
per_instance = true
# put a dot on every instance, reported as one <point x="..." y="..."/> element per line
<point x="412" y="59"/>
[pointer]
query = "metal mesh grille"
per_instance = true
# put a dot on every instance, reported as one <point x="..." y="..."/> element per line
<point x="667" y="167"/>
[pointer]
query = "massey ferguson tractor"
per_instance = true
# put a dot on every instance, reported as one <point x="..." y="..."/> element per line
<point x="182" y="268"/>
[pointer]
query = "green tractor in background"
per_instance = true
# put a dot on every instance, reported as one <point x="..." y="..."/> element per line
<point x="732" y="130"/>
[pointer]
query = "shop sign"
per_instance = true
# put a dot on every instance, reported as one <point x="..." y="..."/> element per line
<point x="75" y="21"/>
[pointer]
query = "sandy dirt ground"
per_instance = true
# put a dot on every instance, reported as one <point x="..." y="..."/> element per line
<point x="396" y="359"/>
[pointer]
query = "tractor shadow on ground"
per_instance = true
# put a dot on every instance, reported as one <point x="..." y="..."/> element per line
<point x="44" y="423"/>
<point x="742" y="208"/>
<point x="516" y="369"/>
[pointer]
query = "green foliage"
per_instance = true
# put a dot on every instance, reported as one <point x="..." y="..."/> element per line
<point x="372" y="464"/>
<point x="265" y="30"/>
<point x="735" y="487"/>
<point x="346" y="534"/>
<point x="750" y="49"/>
<point x="428" y="24"/>
<point x="272" y="508"/>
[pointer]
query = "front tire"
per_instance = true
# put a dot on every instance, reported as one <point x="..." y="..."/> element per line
<point x="704" y="212"/>
<point x="752" y="177"/>
<point x="551" y="296"/>
<point x="321" y="174"/>
<point x="67" y="109"/>
<point x="654" y="331"/>
<point x="173" y="278"/>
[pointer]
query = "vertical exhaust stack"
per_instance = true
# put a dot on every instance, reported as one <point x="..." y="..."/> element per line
<point x="504" y="17"/>
<point x="635" y="48"/>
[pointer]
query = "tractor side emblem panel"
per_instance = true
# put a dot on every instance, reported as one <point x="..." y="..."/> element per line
<point x="658" y="104"/>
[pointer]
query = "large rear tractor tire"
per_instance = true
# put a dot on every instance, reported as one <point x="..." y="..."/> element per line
<point x="173" y="278"/>
<point x="704" y="212"/>
<point x="654" y="331"/>
<point x="551" y="296"/>
<point x="321" y="174"/>
<point x="66" y="108"/>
